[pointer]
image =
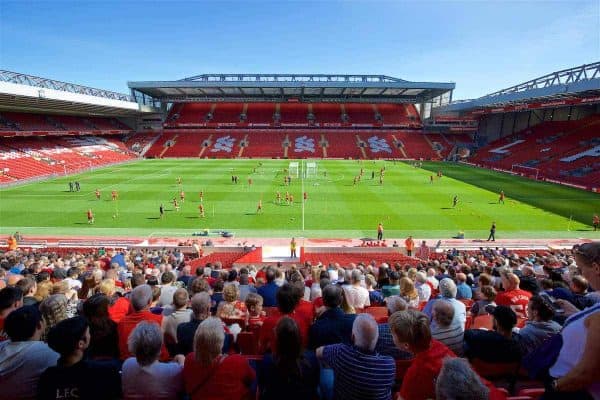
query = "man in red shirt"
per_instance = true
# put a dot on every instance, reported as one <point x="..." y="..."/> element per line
<point x="411" y="332"/>
<point x="512" y="296"/>
<point x="287" y="300"/>
<point x="140" y="298"/>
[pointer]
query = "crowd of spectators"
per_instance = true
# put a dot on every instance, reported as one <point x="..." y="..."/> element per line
<point x="142" y="325"/>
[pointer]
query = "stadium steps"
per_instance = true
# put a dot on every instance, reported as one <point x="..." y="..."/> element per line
<point x="426" y="137"/>
<point x="167" y="147"/>
<point x="324" y="143"/>
<point x="399" y="146"/>
<point x="286" y="148"/>
<point x="203" y="150"/>
<point x="242" y="148"/>
<point x="359" y="141"/>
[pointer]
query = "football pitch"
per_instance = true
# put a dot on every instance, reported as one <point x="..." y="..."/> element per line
<point x="406" y="203"/>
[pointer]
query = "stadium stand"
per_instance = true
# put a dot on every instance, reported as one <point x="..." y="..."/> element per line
<point x="221" y="292"/>
<point x="560" y="150"/>
<point x="23" y="122"/>
<point x="25" y="158"/>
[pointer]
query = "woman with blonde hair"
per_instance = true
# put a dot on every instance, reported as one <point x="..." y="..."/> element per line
<point x="119" y="306"/>
<point x="210" y="375"/>
<point x="409" y="293"/>
<point x="43" y="290"/>
<point x="54" y="310"/>
<point x="231" y="306"/>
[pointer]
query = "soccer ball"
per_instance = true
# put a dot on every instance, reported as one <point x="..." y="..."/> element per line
<point x="114" y="216"/>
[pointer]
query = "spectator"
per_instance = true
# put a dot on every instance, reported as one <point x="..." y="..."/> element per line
<point x="360" y="372"/>
<point x="333" y="325"/>
<point x="186" y="330"/>
<point x="72" y="281"/>
<point x="245" y="287"/>
<point x="375" y="296"/>
<point x="528" y="281"/>
<point x="423" y="287"/>
<point x="269" y="290"/>
<point x="357" y="296"/>
<point x="463" y="291"/>
<point x="409" y="293"/>
<point x="143" y="376"/>
<point x="167" y="289"/>
<point x="432" y="279"/>
<point x="393" y="288"/>
<point x="498" y="345"/>
<point x="411" y="332"/>
<point x="539" y="327"/>
<point x="210" y="375"/>
<point x="104" y="340"/>
<point x="287" y="300"/>
<point x="457" y="380"/>
<point x="11" y="298"/>
<point x="577" y="368"/>
<point x="186" y="275"/>
<point x="581" y="297"/>
<point x="119" y="306"/>
<point x="288" y="373"/>
<point x="29" y="287"/>
<point x="231" y="306"/>
<point x="44" y="288"/>
<point x="385" y="342"/>
<point x="256" y="316"/>
<point x="74" y="376"/>
<point x="512" y="296"/>
<point x="447" y="289"/>
<point x="140" y="298"/>
<point x="24" y="357"/>
<point x="486" y="296"/>
<point x="54" y="310"/>
<point x="217" y="295"/>
<point x="181" y="315"/>
<point x="443" y="330"/>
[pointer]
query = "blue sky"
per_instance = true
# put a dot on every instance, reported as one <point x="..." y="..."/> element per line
<point x="483" y="46"/>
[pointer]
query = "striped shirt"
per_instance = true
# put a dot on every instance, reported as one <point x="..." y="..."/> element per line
<point x="360" y="375"/>
<point x="452" y="337"/>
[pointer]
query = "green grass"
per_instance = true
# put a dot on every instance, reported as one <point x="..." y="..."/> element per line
<point x="406" y="203"/>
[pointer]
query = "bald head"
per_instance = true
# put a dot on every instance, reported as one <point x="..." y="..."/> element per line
<point x="365" y="332"/>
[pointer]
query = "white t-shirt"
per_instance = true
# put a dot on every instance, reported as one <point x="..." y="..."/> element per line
<point x="155" y="381"/>
<point x="358" y="297"/>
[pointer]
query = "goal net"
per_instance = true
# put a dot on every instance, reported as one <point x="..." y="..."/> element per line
<point x="311" y="170"/>
<point x="294" y="169"/>
<point x="522" y="170"/>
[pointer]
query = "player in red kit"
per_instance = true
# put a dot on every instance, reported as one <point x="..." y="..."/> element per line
<point x="98" y="194"/>
<point x="90" y="216"/>
<point x="201" y="210"/>
<point x="175" y="204"/>
<point x="501" y="198"/>
<point x="259" y="207"/>
<point x="114" y="194"/>
<point x="201" y="196"/>
<point x="305" y="196"/>
<point x="182" y="196"/>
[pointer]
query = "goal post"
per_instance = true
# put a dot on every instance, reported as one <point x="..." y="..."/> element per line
<point x="311" y="169"/>
<point x="523" y="170"/>
<point x="294" y="169"/>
